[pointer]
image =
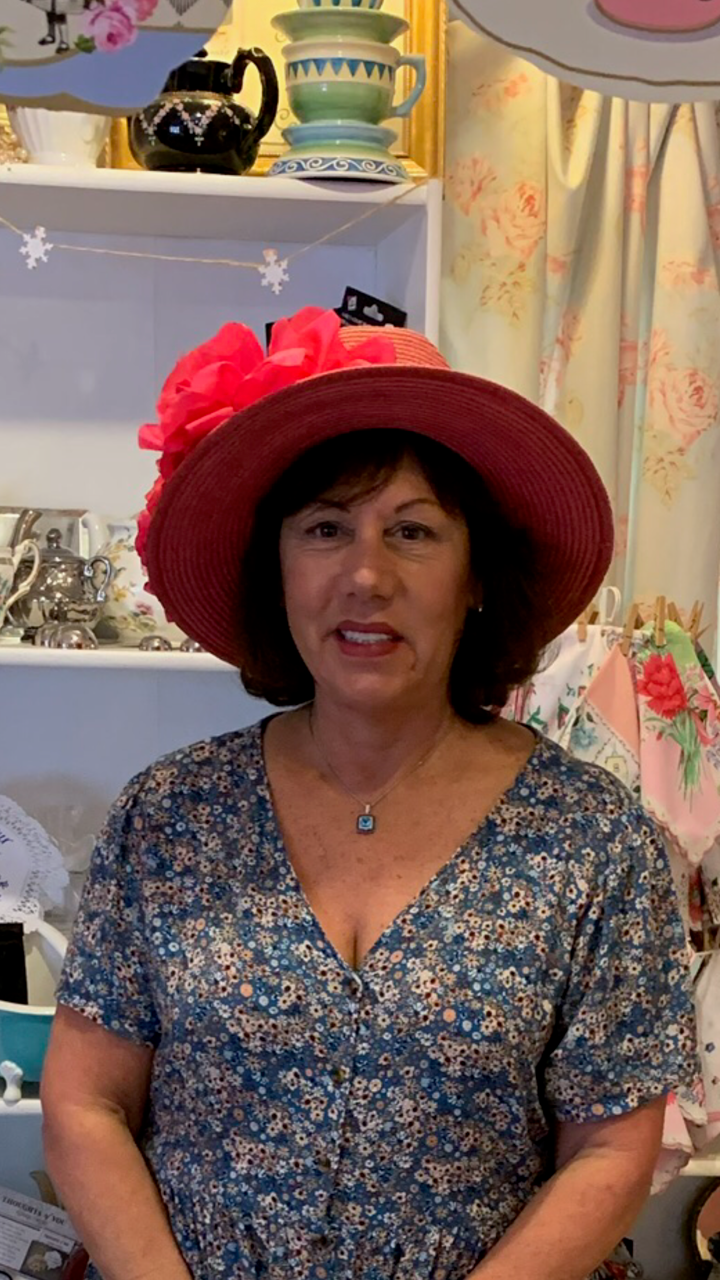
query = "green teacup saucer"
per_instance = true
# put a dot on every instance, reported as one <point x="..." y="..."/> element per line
<point x="347" y="24"/>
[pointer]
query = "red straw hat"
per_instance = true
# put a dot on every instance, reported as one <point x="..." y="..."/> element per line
<point x="320" y="381"/>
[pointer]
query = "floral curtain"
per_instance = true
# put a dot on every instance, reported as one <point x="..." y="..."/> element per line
<point x="581" y="267"/>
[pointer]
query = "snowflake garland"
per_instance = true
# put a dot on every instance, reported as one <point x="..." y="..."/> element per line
<point x="35" y="248"/>
<point x="275" y="272"/>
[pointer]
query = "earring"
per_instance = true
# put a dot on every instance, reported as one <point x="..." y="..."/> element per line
<point x="478" y="608"/>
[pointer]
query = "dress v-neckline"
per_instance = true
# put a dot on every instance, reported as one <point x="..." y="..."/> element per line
<point x="476" y="836"/>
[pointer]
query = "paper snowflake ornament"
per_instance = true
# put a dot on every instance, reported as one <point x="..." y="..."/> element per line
<point x="35" y="248"/>
<point x="274" y="273"/>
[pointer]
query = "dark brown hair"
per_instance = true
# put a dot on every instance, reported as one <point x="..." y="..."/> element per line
<point x="499" y="648"/>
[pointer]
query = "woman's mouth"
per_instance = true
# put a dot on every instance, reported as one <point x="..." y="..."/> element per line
<point x="355" y="642"/>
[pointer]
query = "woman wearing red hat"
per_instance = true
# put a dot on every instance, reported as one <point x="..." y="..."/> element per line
<point x="383" y="987"/>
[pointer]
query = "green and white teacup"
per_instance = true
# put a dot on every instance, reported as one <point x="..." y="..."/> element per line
<point x="348" y="80"/>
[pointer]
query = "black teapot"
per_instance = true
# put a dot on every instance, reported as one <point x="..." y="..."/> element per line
<point x="196" y="124"/>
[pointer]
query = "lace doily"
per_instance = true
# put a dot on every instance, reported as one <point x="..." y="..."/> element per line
<point x="32" y="874"/>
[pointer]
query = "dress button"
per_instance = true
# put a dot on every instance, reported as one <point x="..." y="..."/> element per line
<point x="324" y="1163"/>
<point x="338" y="1075"/>
<point x="353" y="985"/>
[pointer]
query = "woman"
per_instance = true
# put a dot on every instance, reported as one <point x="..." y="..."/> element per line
<point x="383" y="986"/>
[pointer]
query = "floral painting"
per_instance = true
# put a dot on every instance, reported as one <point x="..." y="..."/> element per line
<point x="44" y="48"/>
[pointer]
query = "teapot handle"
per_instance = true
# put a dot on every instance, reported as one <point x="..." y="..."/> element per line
<point x="269" y="82"/>
<point x="89" y="572"/>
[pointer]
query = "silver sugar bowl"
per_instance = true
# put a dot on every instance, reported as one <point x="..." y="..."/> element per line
<point x="68" y="588"/>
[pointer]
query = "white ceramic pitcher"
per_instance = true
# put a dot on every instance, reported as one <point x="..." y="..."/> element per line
<point x="129" y="612"/>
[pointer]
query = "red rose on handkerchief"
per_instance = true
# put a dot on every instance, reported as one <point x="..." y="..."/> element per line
<point x="230" y="372"/>
<point x="661" y="685"/>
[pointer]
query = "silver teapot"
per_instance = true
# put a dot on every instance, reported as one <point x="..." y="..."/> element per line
<point x="68" y="588"/>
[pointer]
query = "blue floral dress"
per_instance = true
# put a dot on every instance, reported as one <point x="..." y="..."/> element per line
<point x="307" y="1121"/>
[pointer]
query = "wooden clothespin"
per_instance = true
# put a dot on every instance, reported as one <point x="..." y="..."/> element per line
<point x="673" y="613"/>
<point x="695" y="619"/>
<point x="660" y="610"/>
<point x="633" y="619"/>
<point x="587" y="618"/>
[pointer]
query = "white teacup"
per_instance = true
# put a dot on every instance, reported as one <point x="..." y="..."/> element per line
<point x="10" y="558"/>
<point x="71" y="138"/>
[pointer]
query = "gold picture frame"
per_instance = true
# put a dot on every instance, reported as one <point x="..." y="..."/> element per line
<point x="420" y="137"/>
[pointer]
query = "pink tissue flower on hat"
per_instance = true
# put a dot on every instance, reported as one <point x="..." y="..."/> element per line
<point x="230" y="372"/>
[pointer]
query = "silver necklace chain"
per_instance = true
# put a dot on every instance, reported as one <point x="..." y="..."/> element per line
<point x="366" y="821"/>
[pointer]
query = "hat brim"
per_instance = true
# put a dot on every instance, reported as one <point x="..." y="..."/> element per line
<point x="538" y="474"/>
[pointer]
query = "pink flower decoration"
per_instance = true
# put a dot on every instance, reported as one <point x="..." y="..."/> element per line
<point x="144" y="9"/>
<point x="662" y="685"/>
<point x="684" y="402"/>
<point x="516" y="222"/>
<point x="111" y="26"/>
<point x="468" y="181"/>
<point x="230" y="372"/>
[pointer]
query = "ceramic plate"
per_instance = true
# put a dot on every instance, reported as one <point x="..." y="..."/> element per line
<point x="305" y="163"/>
<point x="327" y="24"/>
<point x="32" y="872"/>
<point x="573" y="40"/>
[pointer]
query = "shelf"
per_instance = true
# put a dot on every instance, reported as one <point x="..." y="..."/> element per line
<point x="108" y="658"/>
<point x="127" y="202"/>
<point x="26" y="1107"/>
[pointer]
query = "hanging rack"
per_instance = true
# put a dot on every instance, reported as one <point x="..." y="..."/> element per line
<point x="664" y="611"/>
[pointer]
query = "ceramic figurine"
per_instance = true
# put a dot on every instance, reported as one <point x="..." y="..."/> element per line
<point x="13" y="1077"/>
<point x="196" y="124"/>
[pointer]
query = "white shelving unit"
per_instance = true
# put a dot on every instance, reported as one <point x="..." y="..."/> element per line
<point x="108" y="658"/>
<point x="86" y="341"/>
<point x="205" y="206"/>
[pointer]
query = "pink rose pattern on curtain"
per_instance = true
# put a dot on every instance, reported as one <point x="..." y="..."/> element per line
<point x="581" y="264"/>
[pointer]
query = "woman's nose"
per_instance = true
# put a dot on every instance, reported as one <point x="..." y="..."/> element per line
<point x="368" y="566"/>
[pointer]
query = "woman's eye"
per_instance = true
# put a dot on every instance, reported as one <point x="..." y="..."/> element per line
<point x="325" y="529"/>
<point x="414" y="532"/>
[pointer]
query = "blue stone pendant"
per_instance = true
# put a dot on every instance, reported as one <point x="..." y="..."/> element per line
<point x="365" y="823"/>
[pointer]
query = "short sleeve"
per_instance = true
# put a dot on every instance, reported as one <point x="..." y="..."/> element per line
<point x="106" y="975"/>
<point x="626" y="1028"/>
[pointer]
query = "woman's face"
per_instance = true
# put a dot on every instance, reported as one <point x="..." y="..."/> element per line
<point x="377" y="592"/>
